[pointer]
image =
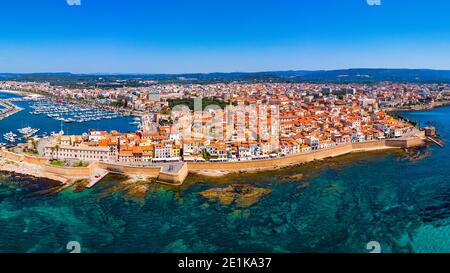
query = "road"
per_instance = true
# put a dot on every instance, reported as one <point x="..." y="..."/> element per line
<point x="149" y="123"/>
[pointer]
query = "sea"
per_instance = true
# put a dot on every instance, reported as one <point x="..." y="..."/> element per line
<point x="397" y="200"/>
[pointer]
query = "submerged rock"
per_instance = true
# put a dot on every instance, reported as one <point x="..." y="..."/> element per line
<point x="303" y="185"/>
<point x="132" y="190"/>
<point x="293" y="177"/>
<point x="138" y="191"/>
<point x="242" y="195"/>
<point x="416" y="154"/>
<point x="81" y="185"/>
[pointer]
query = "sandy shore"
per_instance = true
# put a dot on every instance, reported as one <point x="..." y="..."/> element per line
<point x="23" y="93"/>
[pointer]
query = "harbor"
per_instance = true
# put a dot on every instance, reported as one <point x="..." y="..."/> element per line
<point x="23" y="117"/>
<point x="26" y="133"/>
<point x="67" y="112"/>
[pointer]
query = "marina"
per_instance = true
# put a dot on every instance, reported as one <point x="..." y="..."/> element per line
<point x="26" y="132"/>
<point x="31" y="117"/>
<point x="68" y="112"/>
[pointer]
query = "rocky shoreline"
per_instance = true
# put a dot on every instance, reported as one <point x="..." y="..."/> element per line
<point x="25" y="169"/>
<point x="242" y="195"/>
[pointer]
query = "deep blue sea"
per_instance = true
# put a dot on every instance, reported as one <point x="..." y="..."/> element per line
<point x="339" y="206"/>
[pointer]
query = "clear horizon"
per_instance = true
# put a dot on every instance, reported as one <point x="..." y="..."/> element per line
<point x="218" y="72"/>
<point x="138" y="37"/>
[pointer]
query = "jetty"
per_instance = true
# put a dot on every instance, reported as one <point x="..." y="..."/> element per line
<point x="8" y="109"/>
<point x="435" y="141"/>
<point x="98" y="175"/>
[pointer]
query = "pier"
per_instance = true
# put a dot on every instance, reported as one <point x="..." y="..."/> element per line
<point x="98" y="175"/>
<point x="8" y="109"/>
<point x="435" y="141"/>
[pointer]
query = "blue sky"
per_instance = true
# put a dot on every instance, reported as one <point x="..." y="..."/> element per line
<point x="178" y="36"/>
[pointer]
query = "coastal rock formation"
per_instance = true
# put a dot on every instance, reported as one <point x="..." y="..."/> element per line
<point x="130" y="188"/>
<point x="416" y="154"/>
<point x="136" y="190"/>
<point x="242" y="195"/>
<point x="303" y="185"/>
<point x="292" y="177"/>
<point x="32" y="185"/>
<point x="81" y="185"/>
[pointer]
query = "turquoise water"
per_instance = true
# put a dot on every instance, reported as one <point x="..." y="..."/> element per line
<point x="339" y="206"/>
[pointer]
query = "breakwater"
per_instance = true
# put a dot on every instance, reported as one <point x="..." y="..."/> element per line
<point x="9" y="109"/>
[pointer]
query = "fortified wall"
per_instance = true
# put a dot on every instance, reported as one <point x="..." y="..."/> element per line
<point x="271" y="163"/>
<point x="71" y="171"/>
<point x="404" y="143"/>
<point x="306" y="157"/>
<point x="130" y="170"/>
<point x="10" y="155"/>
<point x="177" y="177"/>
<point x="174" y="178"/>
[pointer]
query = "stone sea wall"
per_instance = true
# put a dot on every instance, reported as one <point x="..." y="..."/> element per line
<point x="129" y="170"/>
<point x="35" y="159"/>
<point x="303" y="158"/>
<point x="404" y="143"/>
<point x="174" y="178"/>
<point x="270" y="163"/>
<point x="180" y="176"/>
<point x="71" y="171"/>
<point x="11" y="156"/>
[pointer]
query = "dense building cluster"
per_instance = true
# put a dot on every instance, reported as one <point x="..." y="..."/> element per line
<point x="260" y="121"/>
<point x="153" y="97"/>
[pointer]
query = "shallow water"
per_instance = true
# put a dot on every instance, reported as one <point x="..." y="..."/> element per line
<point x="339" y="206"/>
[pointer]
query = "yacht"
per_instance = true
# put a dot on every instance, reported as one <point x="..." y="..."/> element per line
<point x="10" y="136"/>
<point x="28" y="131"/>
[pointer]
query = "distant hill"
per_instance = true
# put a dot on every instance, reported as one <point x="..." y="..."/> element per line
<point x="362" y="75"/>
<point x="408" y="75"/>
